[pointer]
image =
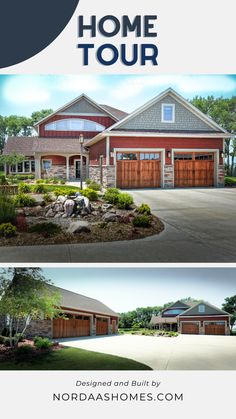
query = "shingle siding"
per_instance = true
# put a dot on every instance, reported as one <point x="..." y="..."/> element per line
<point x="82" y="106"/>
<point x="208" y="311"/>
<point x="150" y="119"/>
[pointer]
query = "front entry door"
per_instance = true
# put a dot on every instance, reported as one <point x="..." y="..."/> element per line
<point x="77" y="169"/>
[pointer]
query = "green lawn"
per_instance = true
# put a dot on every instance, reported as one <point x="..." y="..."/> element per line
<point x="230" y="181"/>
<point x="74" y="359"/>
<point x="51" y="188"/>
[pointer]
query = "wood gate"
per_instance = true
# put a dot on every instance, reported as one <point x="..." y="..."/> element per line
<point x="101" y="326"/>
<point x="214" y="329"/>
<point x="190" y="328"/>
<point x="63" y="328"/>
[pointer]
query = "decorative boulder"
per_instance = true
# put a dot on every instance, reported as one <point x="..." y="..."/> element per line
<point x="106" y="207"/>
<point x="61" y="199"/>
<point x="79" y="227"/>
<point x="50" y="213"/>
<point x="109" y="217"/>
<point x="69" y="207"/>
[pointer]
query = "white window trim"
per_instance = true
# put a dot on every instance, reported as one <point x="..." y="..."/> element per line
<point x="173" y="113"/>
<point x="204" y="308"/>
<point x="43" y="160"/>
<point x="23" y="171"/>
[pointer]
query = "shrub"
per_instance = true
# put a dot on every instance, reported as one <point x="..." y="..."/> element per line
<point x="39" y="188"/>
<point x="65" y="191"/>
<point x="24" y="177"/>
<point x="90" y="194"/>
<point x="62" y="182"/>
<point x="19" y="337"/>
<point x="7" y="209"/>
<point x="47" y="229"/>
<point x="95" y="186"/>
<point x="23" y="200"/>
<point x="42" y="343"/>
<point x="2" y="339"/>
<point x="24" y="188"/>
<point x="111" y="195"/>
<point x="144" y="209"/>
<point x="124" y="200"/>
<point x="47" y="197"/>
<point x="142" y="221"/>
<point x="7" y="342"/>
<point x="38" y="181"/>
<point x="230" y="181"/>
<point x="7" y="230"/>
<point x="88" y="181"/>
<point x="55" y="181"/>
<point x="24" y="352"/>
<point x="3" y="180"/>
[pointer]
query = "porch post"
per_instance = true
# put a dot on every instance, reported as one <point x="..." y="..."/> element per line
<point x="87" y="167"/>
<point x="107" y="151"/>
<point x="67" y="168"/>
<point x="38" y="167"/>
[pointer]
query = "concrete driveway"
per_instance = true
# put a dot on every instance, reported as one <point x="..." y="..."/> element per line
<point x="200" y="226"/>
<point x="185" y="352"/>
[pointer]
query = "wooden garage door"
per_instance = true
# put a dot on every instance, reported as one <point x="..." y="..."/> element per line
<point x="138" y="170"/>
<point x="214" y="329"/>
<point x="71" y="327"/>
<point x="190" y="328"/>
<point x="194" y="169"/>
<point x="102" y="326"/>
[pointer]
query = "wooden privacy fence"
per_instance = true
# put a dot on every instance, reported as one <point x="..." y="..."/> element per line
<point x="9" y="189"/>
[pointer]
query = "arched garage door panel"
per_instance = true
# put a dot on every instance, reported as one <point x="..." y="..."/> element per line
<point x="102" y="326"/>
<point x="190" y="328"/>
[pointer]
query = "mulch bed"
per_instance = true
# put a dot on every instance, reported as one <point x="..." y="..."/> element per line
<point x="112" y="231"/>
<point x="7" y="353"/>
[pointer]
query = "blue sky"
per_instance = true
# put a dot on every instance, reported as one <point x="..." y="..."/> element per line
<point x="23" y="94"/>
<point x="125" y="289"/>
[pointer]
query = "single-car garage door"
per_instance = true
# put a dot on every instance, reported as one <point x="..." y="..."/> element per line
<point x="194" y="169"/>
<point x="138" y="170"/>
<point x="71" y="327"/>
<point x="190" y="328"/>
<point x="101" y="326"/>
<point x="215" y="328"/>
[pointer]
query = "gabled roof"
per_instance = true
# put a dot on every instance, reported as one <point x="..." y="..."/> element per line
<point x="112" y="112"/>
<point x="19" y="145"/>
<point x="160" y="319"/>
<point x="72" y="300"/>
<point x="213" y="309"/>
<point x="177" y="304"/>
<point x="180" y="99"/>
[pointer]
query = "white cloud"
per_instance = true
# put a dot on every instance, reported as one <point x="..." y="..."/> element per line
<point x="26" y="90"/>
<point x="188" y="85"/>
<point x="79" y="83"/>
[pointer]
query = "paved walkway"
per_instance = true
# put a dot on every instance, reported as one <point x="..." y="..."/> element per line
<point x="200" y="226"/>
<point x="185" y="352"/>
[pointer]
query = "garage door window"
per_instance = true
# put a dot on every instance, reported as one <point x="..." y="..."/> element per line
<point x="199" y="156"/>
<point x="183" y="157"/>
<point x="127" y="156"/>
<point x="149" y="156"/>
<point x="220" y="323"/>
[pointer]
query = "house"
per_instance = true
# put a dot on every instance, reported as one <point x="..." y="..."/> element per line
<point x="200" y="318"/>
<point x="82" y="316"/>
<point x="165" y="143"/>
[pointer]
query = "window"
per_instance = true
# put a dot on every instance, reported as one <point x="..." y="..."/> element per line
<point x="127" y="156"/>
<point x="173" y="311"/>
<point x="201" y="308"/>
<point x="168" y="113"/>
<point x="149" y="156"/>
<point x="199" y="156"/>
<point x="46" y="164"/>
<point x="74" y="124"/>
<point x="183" y="156"/>
<point x="27" y="166"/>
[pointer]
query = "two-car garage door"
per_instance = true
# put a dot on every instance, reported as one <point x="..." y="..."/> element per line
<point x="210" y="328"/>
<point x="143" y="169"/>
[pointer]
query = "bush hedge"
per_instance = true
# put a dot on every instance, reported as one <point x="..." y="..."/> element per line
<point x="24" y="200"/>
<point x="7" y="230"/>
<point x="7" y="209"/>
<point x="142" y="221"/>
<point x="124" y="200"/>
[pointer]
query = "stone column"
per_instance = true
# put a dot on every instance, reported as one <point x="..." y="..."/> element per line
<point x="221" y="176"/>
<point x="87" y="167"/>
<point x="168" y="176"/>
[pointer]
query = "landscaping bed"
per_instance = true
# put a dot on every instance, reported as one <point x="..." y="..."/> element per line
<point x="43" y="213"/>
<point x="148" y="332"/>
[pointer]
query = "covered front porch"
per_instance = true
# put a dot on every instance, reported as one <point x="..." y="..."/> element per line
<point x="169" y="324"/>
<point x="61" y="166"/>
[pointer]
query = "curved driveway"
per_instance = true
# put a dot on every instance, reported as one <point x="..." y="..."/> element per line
<point x="185" y="352"/>
<point x="200" y="227"/>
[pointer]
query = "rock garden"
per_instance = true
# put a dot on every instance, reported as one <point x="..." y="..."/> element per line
<point x="53" y="212"/>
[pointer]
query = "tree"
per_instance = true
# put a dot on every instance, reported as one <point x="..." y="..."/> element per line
<point x="223" y="111"/>
<point x="12" y="158"/>
<point x="230" y="307"/>
<point x="3" y="132"/>
<point x="38" y="115"/>
<point x="26" y="295"/>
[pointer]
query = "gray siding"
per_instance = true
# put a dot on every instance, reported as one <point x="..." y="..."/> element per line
<point x="150" y="119"/>
<point x="82" y="106"/>
<point x="208" y="310"/>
